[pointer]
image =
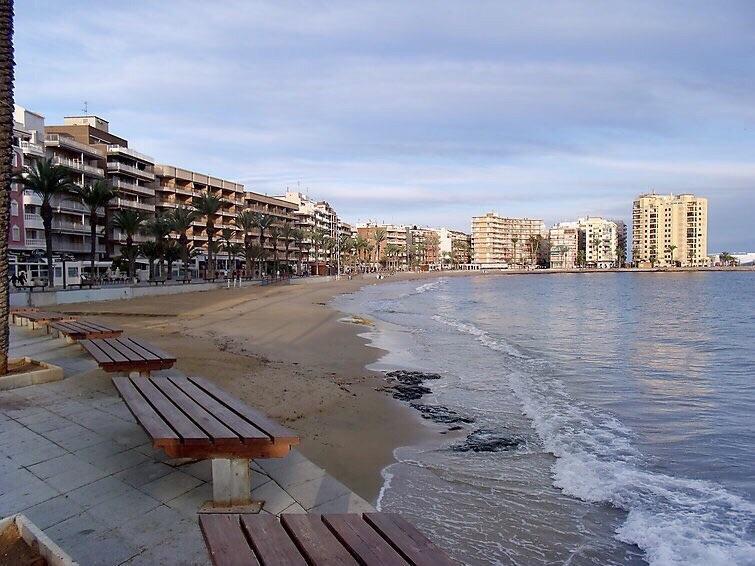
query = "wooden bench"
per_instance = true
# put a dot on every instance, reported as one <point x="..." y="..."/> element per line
<point x="75" y="330"/>
<point x="185" y="280"/>
<point x="189" y="417"/>
<point x="156" y="282"/>
<point x="128" y="355"/>
<point x="293" y="539"/>
<point x="34" y="318"/>
<point x="90" y="284"/>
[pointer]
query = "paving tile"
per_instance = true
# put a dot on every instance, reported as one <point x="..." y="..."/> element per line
<point x="295" y="508"/>
<point x="347" y="503"/>
<point x="99" y="491"/>
<point x="31" y="493"/>
<point x="170" y="486"/>
<point x="186" y="549"/>
<point x="115" y="511"/>
<point x="297" y="473"/>
<point x="317" y="491"/>
<point x="90" y="541"/>
<point x="190" y="502"/>
<point x="270" y="465"/>
<point x="145" y="473"/>
<point x="274" y="496"/>
<point x="153" y="527"/>
<point x="122" y="461"/>
<point x="201" y="469"/>
<point x="39" y="453"/>
<point x="60" y="465"/>
<point x="69" y="480"/>
<point x="74" y="437"/>
<point x="51" y="512"/>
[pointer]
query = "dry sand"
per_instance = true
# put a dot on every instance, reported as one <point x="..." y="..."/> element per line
<point x="283" y="350"/>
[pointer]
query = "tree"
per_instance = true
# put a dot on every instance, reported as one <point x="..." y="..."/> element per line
<point x="181" y="219"/>
<point x="514" y="240"/>
<point x="274" y="233"/>
<point x="48" y="181"/>
<point x="621" y="256"/>
<point x="159" y="228"/>
<point x="378" y="236"/>
<point x="318" y="237"/>
<point x="208" y="205"/>
<point x="300" y="238"/>
<point x="287" y="233"/>
<point x="227" y="235"/>
<point x="94" y="197"/>
<point x="247" y="222"/>
<point x="671" y="249"/>
<point x="172" y="253"/>
<point x="360" y="245"/>
<point x="152" y="251"/>
<point x="534" y="242"/>
<point x="129" y="221"/>
<point x="263" y="221"/>
<point x="6" y="173"/>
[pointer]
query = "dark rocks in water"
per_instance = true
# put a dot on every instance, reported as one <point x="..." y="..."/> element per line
<point x="483" y="440"/>
<point x="409" y="386"/>
<point x="440" y="414"/>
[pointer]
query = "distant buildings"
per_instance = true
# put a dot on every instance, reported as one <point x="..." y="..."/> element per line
<point x="498" y="241"/>
<point x="601" y="240"/>
<point x="670" y="230"/>
<point x="565" y="245"/>
<point x="455" y="247"/>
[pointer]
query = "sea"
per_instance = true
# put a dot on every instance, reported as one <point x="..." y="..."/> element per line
<point x="613" y="415"/>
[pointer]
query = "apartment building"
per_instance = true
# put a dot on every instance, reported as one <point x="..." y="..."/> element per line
<point x="622" y="250"/>
<point x="454" y="246"/>
<point x="85" y="145"/>
<point x="498" y="242"/>
<point x="423" y="248"/>
<point x="395" y="236"/>
<point x="601" y="240"/>
<point x="314" y="216"/>
<point x="670" y="230"/>
<point x="566" y="240"/>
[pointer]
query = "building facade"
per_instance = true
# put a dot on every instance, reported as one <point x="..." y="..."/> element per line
<point x="601" y="241"/>
<point x="454" y="247"/>
<point x="395" y="242"/>
<point x="498" y="241"/>
<point x="315" y="218"/>
<point x="423" y="248"/>
<point x="564" y="245"/>
<point x="670" y="230"/>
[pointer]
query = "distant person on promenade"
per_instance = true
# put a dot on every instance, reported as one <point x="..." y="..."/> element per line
<point x="22" y="278"/>
<point x="14" y="280"/>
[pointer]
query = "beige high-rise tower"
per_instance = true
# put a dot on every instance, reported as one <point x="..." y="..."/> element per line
<point x="670" y="230"/>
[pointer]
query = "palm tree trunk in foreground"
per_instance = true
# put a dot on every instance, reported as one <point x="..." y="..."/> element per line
<point x="6" y="161"/>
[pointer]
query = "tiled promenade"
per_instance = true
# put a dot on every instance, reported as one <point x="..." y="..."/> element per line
<point x="74" y="461"/>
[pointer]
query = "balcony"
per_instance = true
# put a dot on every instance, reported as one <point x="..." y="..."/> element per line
<point x="57" y="140"/>
<point x="30" y="148"/>
<point x="78" y="166"/>
<point x="119" y="149"/>
<point x="133" y="187"/>
<point x="62" y="225"/>
<point x="116" y="167"/>
<point x="33" y="221"/>
<point x="124" y="203"/>
<point x="35" y="243"/>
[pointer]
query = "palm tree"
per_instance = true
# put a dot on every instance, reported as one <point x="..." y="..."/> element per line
<point x="263" y="221"/>
<point x="274" y="233"/>
<point x="300" y="238"/>
<point x="595" y="244"/>
<point x="159" y="227"/>
<point x="318" y="242"/>
<point x="6" y="173"/>
<point x="378" y="235"/>
<point x="172" y="253"/>
<point x="534" y="242"/>
<point x="152" y="251"/>
<point x="514" y="240"/>
<point x="360" y="245"/>
<point x="287" y="233"/>
<point x="208" y="206"/>
<point x="181" y="219"/>
<point x="234" y="251"/>
<point x="129" y="221"/>
<point x="247" y="221"/>
<point x="94" y="197"/>
<point x="671" y="249"/>
<point x="48" y="181"/>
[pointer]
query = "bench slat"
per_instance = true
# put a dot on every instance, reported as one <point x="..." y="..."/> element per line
<point x="143" y="412"/>
<point x="363" y="541"/>
<point x="217" y="431"/>
<point x="271" y="542"/>
<point x="107" y="348"/>
<point x="153" y="349"/>
<point x="236" y="423"/>
<point x="277" y="432"/>
<point x="132" y="352"/>
<point x="189" y="432"/>
<point x="410" y="542"/>
<point x="315" y="541"/>
<point x="225" y="541"/>
<point x="99" y="355"/>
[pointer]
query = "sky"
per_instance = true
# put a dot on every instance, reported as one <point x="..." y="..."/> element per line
<point x="419" y="112"/>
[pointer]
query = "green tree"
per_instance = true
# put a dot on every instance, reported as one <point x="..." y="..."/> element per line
<point x="378" y="237"/>
<point x="181" y="219"/>
<point x="274" y="234"/>
<point x="247" y="222"/>
<point x="94" y="197"/>
<point x="514" y="240"/>
<point x="152" y="251"/>
<point x="263" y="221"/>
<point x="287" y="233"/>
<point x="159" y="227"/>
<point x="172" y="253"/>
<point x="48" y="181"/>
<point x="671" y="249"/>
<point x="208" y="205"/>
<point x="129" y="221"/>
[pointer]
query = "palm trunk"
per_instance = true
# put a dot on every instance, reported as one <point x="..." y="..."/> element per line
<point x="169" y="275"/>
<point x="47" y="224"/>
<point x="6" y="162"/>
<point x="131" y="256"/>
<point x="93" y="234"/>
<point x="210" y="253"/>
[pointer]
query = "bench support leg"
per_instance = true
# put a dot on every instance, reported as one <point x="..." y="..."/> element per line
<point x="231" y="487"/>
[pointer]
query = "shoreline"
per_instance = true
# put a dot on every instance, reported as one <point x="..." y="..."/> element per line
<point x="288" y="351"/>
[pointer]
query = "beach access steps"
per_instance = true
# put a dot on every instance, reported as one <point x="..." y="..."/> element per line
<point x="293" y="539"/>
<point x="190" y="417"/>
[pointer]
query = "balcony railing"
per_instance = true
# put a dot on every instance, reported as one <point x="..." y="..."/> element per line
<point x="64" y="141"/>
<point x="33" y="148"/>
<point x="78" y="166"/>
<point x="124" y="203"/>
<point x="34" y="242"/>
<point x="125" y="185"/>
<point x="130" y="152"/>
<point x="123" y="168"/>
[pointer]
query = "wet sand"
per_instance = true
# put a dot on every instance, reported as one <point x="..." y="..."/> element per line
<point x="283" y="350"/>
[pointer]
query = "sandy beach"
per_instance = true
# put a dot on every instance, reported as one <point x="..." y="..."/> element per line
<point x="283" y="350"/>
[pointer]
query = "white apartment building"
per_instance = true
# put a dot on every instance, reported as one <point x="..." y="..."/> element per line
<point x="498" y="242"/>
<point x="670" y="230"/>
<point x="454" y="246"/>
<point x="314" y="216"/>
<point x="601" y="242"/>
<point x="564" y="245"/>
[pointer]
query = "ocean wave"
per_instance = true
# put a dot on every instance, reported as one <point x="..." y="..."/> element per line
<point x="424" y="288"/>
<point x="673" y="520"/>
<point x="484" y="337"/>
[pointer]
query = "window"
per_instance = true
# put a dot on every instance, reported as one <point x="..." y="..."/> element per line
<point x="13" y="208"/>
<point x="16" y="233"/>
<point x="73" y="272"/>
